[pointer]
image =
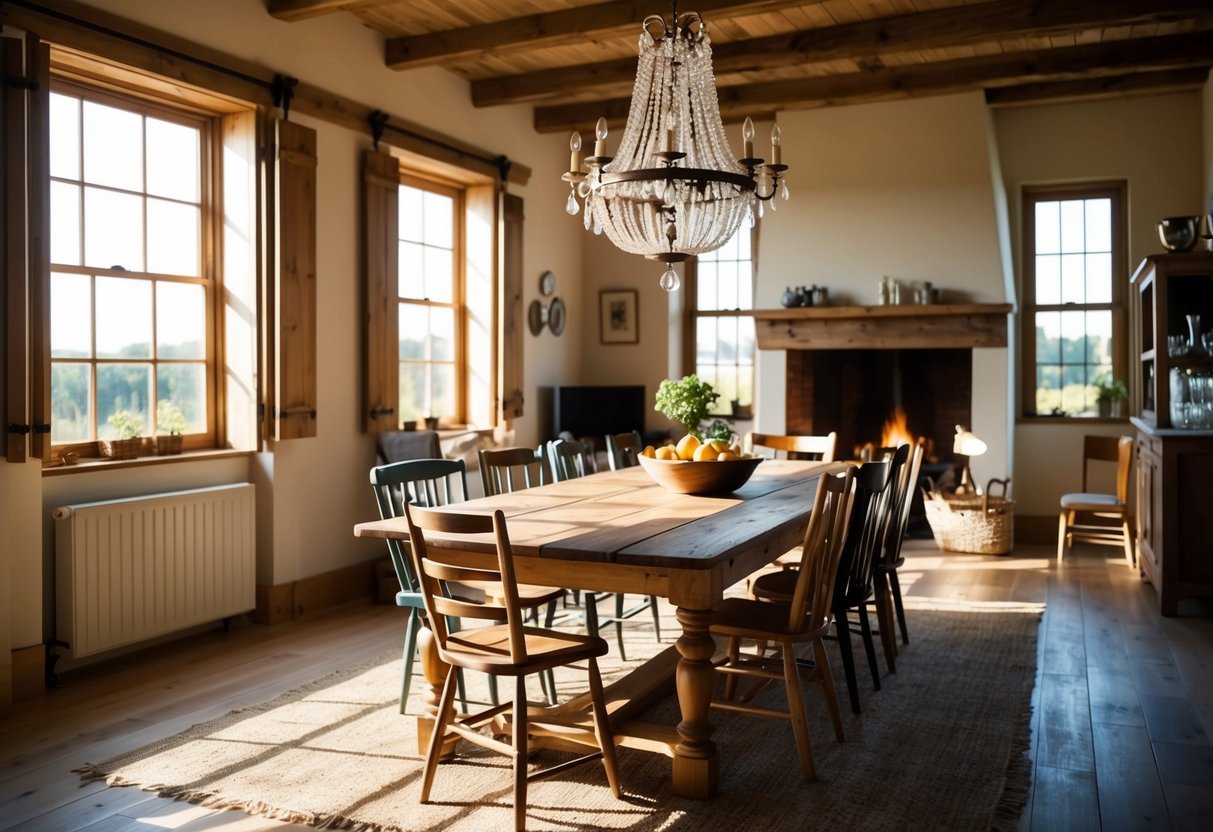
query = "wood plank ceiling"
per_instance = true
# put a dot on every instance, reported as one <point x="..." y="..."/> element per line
<point x="575" y="59"/>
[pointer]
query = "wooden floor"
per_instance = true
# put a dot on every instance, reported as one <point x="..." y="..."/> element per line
<point x="1121" y="732"/>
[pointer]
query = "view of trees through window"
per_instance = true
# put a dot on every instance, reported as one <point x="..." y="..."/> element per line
<point x="129" y="305"/>
<point x="1071" y="289"/>
<point x="429" y="301"/>
<point x="724" y="340"/>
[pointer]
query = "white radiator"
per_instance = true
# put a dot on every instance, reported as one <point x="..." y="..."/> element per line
<point x="133" y="569"/>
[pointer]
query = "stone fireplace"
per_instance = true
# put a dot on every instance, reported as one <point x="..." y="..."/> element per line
<point x="849" y="368"/>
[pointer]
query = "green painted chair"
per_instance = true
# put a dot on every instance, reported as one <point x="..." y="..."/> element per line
<point x="430" y="483"/>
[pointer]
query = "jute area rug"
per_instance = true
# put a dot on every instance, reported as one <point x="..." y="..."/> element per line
<point x="942" y="746"/>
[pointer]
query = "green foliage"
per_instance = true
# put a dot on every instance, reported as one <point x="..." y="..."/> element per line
<point x="1110" y="389"/>
<point x="127" y="425"/>
<point x="169" y="418"/>
<point x="688" y="402"/>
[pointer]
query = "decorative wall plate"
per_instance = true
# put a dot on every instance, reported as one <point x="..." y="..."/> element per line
<point x="536" y="317"/>
<point x="547" y="283"/>
<point x="556" y="316"/>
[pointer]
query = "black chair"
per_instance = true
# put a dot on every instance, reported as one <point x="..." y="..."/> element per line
<point x="854" y="586"/>
<point x="887" y="585"/>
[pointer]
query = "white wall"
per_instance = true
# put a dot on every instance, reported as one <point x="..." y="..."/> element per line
<point x="901" y="189"/>
<point x="312" y="491"/>
<point x="1153" y="142"/>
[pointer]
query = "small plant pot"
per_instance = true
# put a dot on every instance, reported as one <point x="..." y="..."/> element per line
<point x="168" y="445"/>
<point x="121" y="448"/>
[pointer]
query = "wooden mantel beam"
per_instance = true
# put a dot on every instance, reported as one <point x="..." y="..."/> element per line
<point x="1090" y="60"/>
<point x="535" y="31"/>
<point x="1085" y="89"/>
<point x="907" y="326"/>
<point x="955" y="26"/>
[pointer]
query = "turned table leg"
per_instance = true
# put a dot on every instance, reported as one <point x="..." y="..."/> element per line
<point x="434" y="669"/>
<point x="696" y="766"/>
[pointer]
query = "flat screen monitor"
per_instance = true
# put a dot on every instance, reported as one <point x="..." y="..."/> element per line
<point x="599" y="410"/>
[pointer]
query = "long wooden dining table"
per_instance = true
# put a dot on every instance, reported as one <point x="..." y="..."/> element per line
<point x="618" y="531"/>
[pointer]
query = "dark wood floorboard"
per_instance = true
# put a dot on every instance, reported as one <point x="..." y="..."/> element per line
<point x="1123" y="705"/>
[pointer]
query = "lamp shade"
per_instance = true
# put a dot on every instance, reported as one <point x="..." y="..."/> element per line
<point x="965" y="442"/>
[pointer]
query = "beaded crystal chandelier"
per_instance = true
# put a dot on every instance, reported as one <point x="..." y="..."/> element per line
<point x="673" y="189"/>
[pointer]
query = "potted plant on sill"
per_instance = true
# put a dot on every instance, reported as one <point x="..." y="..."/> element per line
<point x="128" y="436"/>
<point x="1110" y="395"/>
<point x="688" y="402"/>
<point x="170" y="425"/>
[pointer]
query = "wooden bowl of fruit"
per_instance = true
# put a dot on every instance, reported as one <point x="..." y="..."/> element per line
<point x="705" y="470"/>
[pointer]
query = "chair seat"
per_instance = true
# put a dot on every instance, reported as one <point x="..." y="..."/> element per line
<point x="747" y="618"/>
<point x="775" y="586"/>
<point x="487" y="649"/>
<point x="1091" y="502"/>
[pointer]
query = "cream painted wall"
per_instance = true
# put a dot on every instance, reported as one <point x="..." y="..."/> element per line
<point x="1151" y="141"/>
<point x="901" y="189"/>
<point x="312" y="491"/>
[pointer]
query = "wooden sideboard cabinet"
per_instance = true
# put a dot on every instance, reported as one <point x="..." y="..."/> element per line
<point x="1174" y="459"/>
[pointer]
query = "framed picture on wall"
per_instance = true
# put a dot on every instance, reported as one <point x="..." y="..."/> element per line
<point x="617" y="317"/>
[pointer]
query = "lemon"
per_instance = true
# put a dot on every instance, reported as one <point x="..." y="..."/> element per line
<point x="726" y="456"/>
<point x="649" y="452"/>
<point x="705" y="453"/>
<point x="735" y="450"/>
<point x="687" y="445"/>
<point x="719" y="445"/>
<point x="666" y="452"/>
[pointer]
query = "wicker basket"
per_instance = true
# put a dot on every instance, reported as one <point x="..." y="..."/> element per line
<point x="169" y="444"/>
<point x="981" y="525"/>
<point x="121" y="448"/>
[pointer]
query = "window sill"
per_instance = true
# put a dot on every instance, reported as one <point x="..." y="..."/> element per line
<point x="1072" y="420"/>
<point x="94" y="464"/>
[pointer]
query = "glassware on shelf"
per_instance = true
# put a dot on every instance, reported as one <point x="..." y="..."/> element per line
<point x="1191" y="399"/>
<point x="1177" y="345"/>
<point x="1195" y="345"/>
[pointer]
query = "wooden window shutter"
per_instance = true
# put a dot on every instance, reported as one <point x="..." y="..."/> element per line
<point x="294" y="303"/>
<point x="25" y="246"/>
<point x="381" y="206"/>
<point x="510" y="341"/>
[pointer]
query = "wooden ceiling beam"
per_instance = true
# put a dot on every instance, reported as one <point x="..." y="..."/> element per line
<point x="292" y="10"/>
<point x="956" y="26"/>
<point x="1122" y="56"/>
<point x="614" y="18"/>
<point x="1108" y="86"/>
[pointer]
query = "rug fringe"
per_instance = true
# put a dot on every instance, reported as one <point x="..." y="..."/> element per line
<point x="1017" y="783"/>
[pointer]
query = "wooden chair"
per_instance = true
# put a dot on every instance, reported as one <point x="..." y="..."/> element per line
<point x="438" y="482"/>
<point x="506" y="649"/>
<point x="1098" y="505"/>
<point x="854" y="585"/>
<point x="504" y="470"/>
<point x="623" y="448"/>
<point x="887" y="586"/>
<point x="820" y="448"/>
<point x="568" y="459"/>
<point x="805" y="619"/>
<point x="568" y="462"/>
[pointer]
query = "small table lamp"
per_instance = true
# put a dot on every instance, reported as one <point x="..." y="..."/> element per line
<point x="966" y="444"/>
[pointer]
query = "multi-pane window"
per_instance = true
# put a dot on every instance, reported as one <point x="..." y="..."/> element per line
<point x="1074" y="267"/>
<point x="430" y="240"/>
<point x="721" y="293"/>
<point x="131" y="329"/>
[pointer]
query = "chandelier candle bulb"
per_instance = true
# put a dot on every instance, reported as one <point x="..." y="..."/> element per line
<point x="747" y="139"/>
<point x="776" y="146"/>
<point x="575" y="153"/>
<point x="600" y="135"/>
